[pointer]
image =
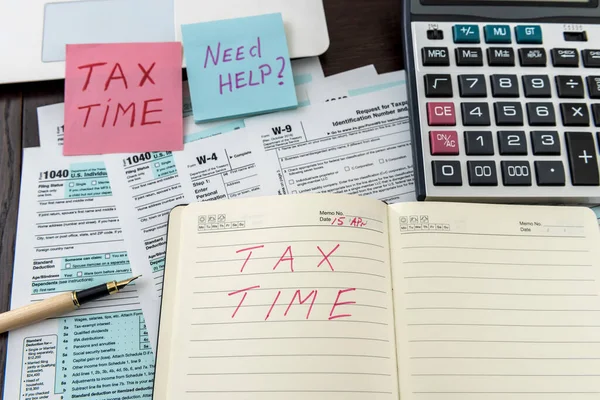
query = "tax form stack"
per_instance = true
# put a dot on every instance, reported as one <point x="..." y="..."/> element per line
<point x="87" y="219"/>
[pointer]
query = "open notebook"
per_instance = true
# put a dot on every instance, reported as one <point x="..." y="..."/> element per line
<point x="341" y="297"/>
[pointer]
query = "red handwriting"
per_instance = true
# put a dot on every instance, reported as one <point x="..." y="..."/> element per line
<point x="326" y="256"/>
<point x="124" y="111"/>
<point x="355" y="221"/>
<point x="336" y="304"/>
<point x="284" y="258"/>
<point x="312" y="293"/>
<point x="289" y="257"/>
<point x="297" y="298"/>
<point x="273" y="305"/>
<point x="119" y="111"/>
<point x="245" y="291"/>
<point x="249" y="254"/>
<point x="146" y="73"/>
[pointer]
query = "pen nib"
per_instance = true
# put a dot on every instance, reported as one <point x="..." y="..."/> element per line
<point x="122" y="284"/>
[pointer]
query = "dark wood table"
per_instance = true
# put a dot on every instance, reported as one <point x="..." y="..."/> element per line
<point x="362" y="32"/>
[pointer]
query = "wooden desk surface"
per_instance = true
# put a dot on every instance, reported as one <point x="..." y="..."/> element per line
<point x="362" y="32"/>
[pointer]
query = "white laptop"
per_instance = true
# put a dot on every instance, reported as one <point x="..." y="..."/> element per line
<point x="33" y="33"/>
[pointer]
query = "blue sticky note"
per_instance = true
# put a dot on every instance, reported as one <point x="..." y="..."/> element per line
<point x="238" y="67"/>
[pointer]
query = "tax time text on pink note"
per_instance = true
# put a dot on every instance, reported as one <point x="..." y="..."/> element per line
<point x="123" y="98"/>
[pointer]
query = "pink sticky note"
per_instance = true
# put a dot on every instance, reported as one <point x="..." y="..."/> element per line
<point x="123" y="98"/>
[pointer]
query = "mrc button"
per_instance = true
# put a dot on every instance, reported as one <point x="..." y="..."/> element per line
<point x="435" y="56"/>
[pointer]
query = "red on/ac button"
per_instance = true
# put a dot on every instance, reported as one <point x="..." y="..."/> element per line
<point x="443" y="142"/>
<point x="441" y="114"/>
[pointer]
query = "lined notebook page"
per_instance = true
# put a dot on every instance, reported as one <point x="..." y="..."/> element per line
<point x="496" y="302"/>
<point x="283" y="297"/>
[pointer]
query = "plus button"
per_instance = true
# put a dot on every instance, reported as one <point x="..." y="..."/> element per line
<point x="581" y="150"/>
<point x="585" y="156"/>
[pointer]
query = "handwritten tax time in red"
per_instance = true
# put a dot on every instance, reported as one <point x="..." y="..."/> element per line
<point x="122" y="98"/>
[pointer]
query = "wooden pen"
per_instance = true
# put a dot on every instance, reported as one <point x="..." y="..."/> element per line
<point x="58" y="305"/>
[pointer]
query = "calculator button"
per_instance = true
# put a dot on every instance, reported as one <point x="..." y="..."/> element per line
<point x="590" y="58"/>
<point x="435" y="34"/>
<point x="512" y="143"/>
<point x="582" y="158"/>
<point x="575" y="36"/>
<point x="593" y="84"/>
<point x="501" y="56"/>
<point x="472" y="86"/>
<point x="504" y="86"/>
<point x="438" y="85"/>
<point x="441" y="114"/>
<point x="565" y="57"/>
<point x="550" y="173"/>
<point x="435" y="56"/>
<point x="516" y="173"/>
<point x="508" y="114"/>
<point x="446" y="173"/>
<point x="528" y="34"/>
<point x="469" y="57"/>
<point x="545" y="143"/>
<point x="532" y="57"/>
<point x="497" y="34"/>
<point x="575" y="114"/>
<point x="569" y="86"/>
<point x="536" y="86"/>
<point x="541" y="114"/>
<point x="479" y="143"/>
<point x="475" y="114"/>
<point x="465" y="33"/>
<point x="596" y="114"/>
<point x="443" y="142"/>
<point x="482" y="173"/>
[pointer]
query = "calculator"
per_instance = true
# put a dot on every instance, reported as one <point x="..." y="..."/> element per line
<point x="504" y="99"/>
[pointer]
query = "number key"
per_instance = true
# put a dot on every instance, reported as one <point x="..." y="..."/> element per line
<point x="516" y="173"/>
<point x="472" y="86"/>
<point x="512" y="143"/>
<point x="536" y="86"/>
<point x="508" y="113"/>
<point x="475" y="114"/>
<point x="482" y="173"/>
<point x="446" y="173"/>
<point x="479" y="143"/>
<point x="504" y="86"/>
<point x="541" y="114"/>
<point x="545" y="143"/>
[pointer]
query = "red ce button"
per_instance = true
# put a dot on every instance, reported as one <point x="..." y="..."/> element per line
<point x="441" y="114"/>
